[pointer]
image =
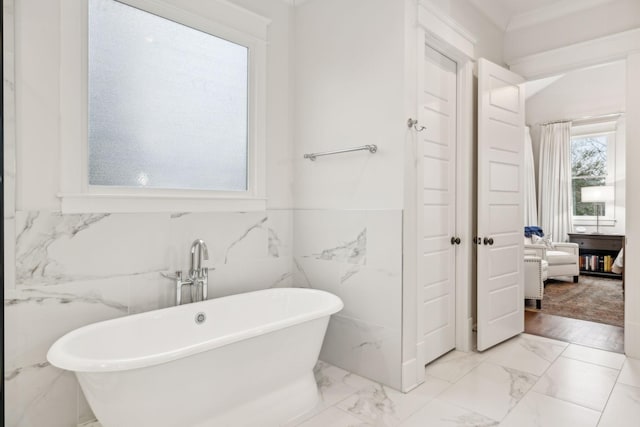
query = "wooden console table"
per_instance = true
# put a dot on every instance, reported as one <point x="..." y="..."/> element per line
<point x="597" y="253"/>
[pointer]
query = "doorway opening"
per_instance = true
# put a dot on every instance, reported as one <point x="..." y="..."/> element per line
<point x="590" y="311"/>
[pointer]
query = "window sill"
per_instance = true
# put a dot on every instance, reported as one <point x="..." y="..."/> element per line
<point x="111" y="203"/>
<point x="592" y="221"/>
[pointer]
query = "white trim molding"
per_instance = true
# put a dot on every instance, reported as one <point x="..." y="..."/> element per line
<point x="579" y="55"/>
<point x="506" y="20"/>
<point x="452" y="40"/>
<point x="445" y="34"/>
<point x="550" y="12"/>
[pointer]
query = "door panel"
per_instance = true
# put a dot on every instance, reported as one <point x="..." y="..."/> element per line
<point x="436" y="199"/>
<point x="500" y="282"/>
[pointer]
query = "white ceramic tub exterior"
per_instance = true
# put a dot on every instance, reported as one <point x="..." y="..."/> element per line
<point x="250" y="363"/>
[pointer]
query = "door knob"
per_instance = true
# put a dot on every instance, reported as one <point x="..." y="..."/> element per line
<point x="455" y="240"/>
<point x="488" y="241"/>
<point x="477" y="240"/>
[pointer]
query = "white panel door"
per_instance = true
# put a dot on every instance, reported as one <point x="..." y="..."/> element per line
<point x="436" y="200"/>
<point x="500" y="280"/>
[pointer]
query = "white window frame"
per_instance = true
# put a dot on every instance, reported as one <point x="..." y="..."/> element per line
<point x="77" y="196"/>
<point x="609" y="129"/>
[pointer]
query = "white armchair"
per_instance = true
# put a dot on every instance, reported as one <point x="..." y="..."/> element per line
<point x="535" y="273"/>
<point x="563" y="259"/>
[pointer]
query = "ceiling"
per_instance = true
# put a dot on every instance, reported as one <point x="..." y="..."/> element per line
<point x="510" y="15"/>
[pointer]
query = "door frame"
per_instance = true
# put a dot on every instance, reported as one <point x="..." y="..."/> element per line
<point x="620" y="46"/>
<point x="444" y="35"/>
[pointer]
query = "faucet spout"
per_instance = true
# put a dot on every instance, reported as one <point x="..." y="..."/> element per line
<point x="198" y="278"/>
<point x="200" y="247"/>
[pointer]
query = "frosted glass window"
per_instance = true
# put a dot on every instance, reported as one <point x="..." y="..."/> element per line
<point x="167" y="104"/>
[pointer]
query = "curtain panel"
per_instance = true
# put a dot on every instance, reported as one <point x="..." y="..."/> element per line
<point x="530" y="204"/>
<point x="555" y="200"/>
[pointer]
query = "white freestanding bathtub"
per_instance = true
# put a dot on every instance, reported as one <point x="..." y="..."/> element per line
<point x="249" y="363"/>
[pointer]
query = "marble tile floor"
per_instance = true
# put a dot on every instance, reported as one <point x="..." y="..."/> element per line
<point x="526" y="381"/>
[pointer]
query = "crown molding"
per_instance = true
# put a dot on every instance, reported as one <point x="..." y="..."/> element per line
<point x="593" y="52"/>
<point x="294" y="2"/>
<point x="551" y="12"/>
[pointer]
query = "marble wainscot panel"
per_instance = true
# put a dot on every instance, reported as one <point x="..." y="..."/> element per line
<point x="247" y="251"/>
<point x="356" y="255"/>
<point x="9" y="140"/>
<point x="38" y="394"/>
<point x="73" y="270"/>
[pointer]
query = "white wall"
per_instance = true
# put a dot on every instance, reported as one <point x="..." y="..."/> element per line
<point x="632" y="251"/>
<point x="593" y="91"/>
<point x="609" y="18"/>
<point x="587" y="92"/>
<point x="72" y="270"/>
<point x="349" y="92"/>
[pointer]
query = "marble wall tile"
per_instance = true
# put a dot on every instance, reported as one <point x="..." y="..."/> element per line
<point x="356" y="255"/>
<point x="371" y="295"/>
<point x="371" y="238"/>
<point x="53" y="248"/>
<point x="366" y="349"/>
<point x="36" y="317"/>
<point x="252" y="275"/>
<point x="9" y="108"/>
<point x="229" y="236"/>
<point x="317" y="274"/>
<point x="280" y="233"/>
<point x="9" y="253"/>
<point x="150" y="291"/>
<point x="41" y="395"/>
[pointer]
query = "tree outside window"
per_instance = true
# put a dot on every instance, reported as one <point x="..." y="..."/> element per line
<point x="589" y="168"/>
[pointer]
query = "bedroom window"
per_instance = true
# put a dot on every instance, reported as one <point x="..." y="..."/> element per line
<point x="593" y="164"/>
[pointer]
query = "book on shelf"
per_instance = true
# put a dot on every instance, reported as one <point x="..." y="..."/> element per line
<point x="596" y="263"/>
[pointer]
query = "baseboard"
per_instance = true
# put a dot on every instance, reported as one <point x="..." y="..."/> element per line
<point x="410" y="378"/>
<point x="632" y="339"/>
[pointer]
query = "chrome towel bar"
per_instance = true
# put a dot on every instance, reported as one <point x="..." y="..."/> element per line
<point x="371" y="148"/>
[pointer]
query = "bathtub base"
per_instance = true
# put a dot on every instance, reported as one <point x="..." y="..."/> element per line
<point x="274" y="409"/>
<point x="268" y="377"/>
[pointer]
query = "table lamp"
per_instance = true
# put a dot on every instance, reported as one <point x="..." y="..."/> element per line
<point x="599" y="194"/>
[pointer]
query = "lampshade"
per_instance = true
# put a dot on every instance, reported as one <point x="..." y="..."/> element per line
<point x="597" y="194"/>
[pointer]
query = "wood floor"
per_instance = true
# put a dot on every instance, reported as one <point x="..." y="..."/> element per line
<point x="582" y="332"/>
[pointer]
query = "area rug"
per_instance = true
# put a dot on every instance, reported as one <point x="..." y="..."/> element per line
<point x="592" y="298"/>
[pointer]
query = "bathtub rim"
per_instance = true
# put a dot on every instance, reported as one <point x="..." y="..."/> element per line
<point x="59" y="357"/>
